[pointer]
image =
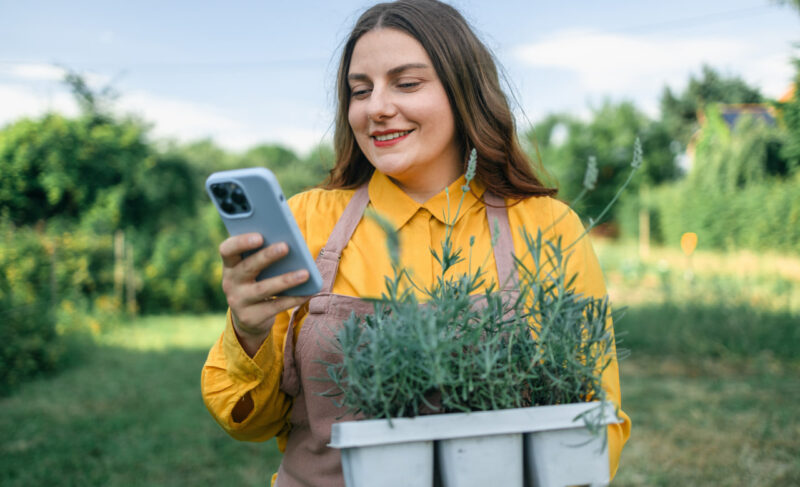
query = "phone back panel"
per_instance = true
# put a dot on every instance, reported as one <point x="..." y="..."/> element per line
<point x="269" y="215"/>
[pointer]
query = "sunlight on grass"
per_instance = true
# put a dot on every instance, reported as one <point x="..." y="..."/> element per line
<point x="158" y="333"/>
<point x="766" y="281"/>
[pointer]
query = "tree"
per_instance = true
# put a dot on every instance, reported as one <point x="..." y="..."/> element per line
<point x="790" y="116"/>
<point x="566" y="143"/>
<point x="96" y="169"/>
<point x="679" y="111"/>
<point x="294" y="174"/>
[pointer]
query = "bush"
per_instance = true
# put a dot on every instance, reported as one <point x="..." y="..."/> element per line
<point x="184" y="271"/>
<point x="739" y="194"/>
<point x="28" y="341"/>
<point x="760" y="216"/>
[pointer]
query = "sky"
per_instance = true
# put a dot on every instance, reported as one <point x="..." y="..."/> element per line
<point x="250" y="72"/>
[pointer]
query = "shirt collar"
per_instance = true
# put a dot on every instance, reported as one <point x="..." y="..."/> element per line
<point x="391" y="202"/>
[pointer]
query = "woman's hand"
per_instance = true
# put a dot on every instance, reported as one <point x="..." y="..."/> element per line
<point x="254" y="304"/>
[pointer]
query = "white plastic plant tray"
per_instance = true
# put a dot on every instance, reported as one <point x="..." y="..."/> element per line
<point x="416" y="437"/>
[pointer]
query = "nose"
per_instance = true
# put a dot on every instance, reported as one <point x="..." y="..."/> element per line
<point x="381" y="105"/>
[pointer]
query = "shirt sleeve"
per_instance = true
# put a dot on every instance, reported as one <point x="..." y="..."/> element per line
<point x="583" y="263"/>
<point x="229" y="374"/>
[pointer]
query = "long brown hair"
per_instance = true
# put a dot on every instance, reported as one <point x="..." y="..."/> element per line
<point x="468" y="73"/>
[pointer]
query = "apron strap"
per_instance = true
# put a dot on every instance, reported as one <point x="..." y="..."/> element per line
<point x="497" y="215"/>
<point x="328" y="264"/>
<point x="331" y="253"/>
<point x="329" y="256"/>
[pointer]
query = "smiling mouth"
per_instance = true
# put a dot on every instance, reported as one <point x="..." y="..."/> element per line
<point x="391" y="136"/>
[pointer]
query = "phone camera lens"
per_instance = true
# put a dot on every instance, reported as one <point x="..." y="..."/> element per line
<point x="228" y="207"/>
<point x="219" y="190"/>
<point x="238" y="196"/>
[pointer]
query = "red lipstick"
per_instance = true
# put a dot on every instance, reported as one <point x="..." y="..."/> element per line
<point x="388" y="141"/>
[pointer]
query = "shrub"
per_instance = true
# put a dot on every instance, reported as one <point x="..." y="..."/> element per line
<point x="28" y="341"/>
<point x="760" y="216"/>
<point x="184" y="271"/>
<point x="463" y="350"/>
<point x="739" y="194"/>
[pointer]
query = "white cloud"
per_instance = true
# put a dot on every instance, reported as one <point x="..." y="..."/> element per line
<point x="184" y="120"/>
<point x="610" y="62"/>
<point x="33" y="72"/>
<point x="638" y="67"/>
<point x="37" y="72"/>
<point x="23" y="101"/>
<point x="171" y="118"/>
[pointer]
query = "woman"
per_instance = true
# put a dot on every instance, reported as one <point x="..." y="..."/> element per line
<point x="416" y="91"/>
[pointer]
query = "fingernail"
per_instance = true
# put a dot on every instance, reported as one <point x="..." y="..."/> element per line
<point x="254" y="239"/>
<point x="302" y="274"/>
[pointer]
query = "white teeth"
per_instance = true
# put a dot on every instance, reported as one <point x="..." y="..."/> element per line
<point x="383" y="138"/>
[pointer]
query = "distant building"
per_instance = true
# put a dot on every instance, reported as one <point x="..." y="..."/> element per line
<point x="731" y="114"/>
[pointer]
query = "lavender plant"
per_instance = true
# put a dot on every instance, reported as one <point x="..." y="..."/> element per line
<point x="468" y="345"/>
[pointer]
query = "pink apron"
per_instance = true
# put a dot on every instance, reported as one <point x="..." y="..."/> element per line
<point x="307" y="460"/>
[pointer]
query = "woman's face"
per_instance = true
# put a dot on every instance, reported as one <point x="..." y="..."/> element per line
<point x="400" y="114"/>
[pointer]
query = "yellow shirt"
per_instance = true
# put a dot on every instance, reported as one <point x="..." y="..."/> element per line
<point x="229" y="373"/>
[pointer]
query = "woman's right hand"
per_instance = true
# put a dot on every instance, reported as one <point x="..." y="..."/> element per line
<point x="254" y="304"/>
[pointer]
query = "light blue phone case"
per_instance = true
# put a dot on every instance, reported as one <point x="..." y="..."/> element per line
<point x="264" y="210"/>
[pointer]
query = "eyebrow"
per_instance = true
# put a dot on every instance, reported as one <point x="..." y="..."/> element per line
<point x="391" y="72"/>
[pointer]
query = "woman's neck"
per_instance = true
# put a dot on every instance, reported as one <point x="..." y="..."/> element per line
<point x="423" y="189"/>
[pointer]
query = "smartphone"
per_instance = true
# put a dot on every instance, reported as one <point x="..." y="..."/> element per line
<point x="251" y="200"/>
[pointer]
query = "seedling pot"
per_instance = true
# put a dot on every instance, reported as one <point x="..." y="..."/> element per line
<point x="474" y="461"/>
<point x="546" y="446"/>
<point x="396" y="464"/>
<point x="571" y="456"/>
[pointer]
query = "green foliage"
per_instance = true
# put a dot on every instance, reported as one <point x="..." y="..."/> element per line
<point x="128" y="413"/>
<point x="760" y="216"/>
<point x="607" y="138"/>
<point x="68" y="185"/>
<point x="66" y="169"/>
<point x="204" y="156"/>
<point x="679" y="111"/>
<point x="738" y="194"/>
<point x="28" y="342"/>
<point x="295" y="174"/>
<point x="184" y="270"/>
<point x="54" y="285"/>
<point x="469" y="350"/>
<point x="702" y="330"/>
<point x="790" y="116"/>
<point x="726" y="160"/>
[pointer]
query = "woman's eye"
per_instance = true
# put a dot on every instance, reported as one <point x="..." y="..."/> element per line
<point x="359" y="92"/>
<point x="408" y="85"/>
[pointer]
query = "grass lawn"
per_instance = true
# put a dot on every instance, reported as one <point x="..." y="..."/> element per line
<point x="128" y="413"/>
<point x="712" y="386"/>
<point x="713" y="380"/>
<point x="711" y="423"/>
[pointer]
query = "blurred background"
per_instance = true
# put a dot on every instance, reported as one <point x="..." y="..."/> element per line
<point x="112" y="116"/>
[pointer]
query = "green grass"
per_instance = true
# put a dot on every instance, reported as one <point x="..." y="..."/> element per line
<point x="696" y="329"/>
<point x="712" y="383"/>
<point x="702" y="422"/>
<point x="712" y="386"/>
<point x="129" y="413"/>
